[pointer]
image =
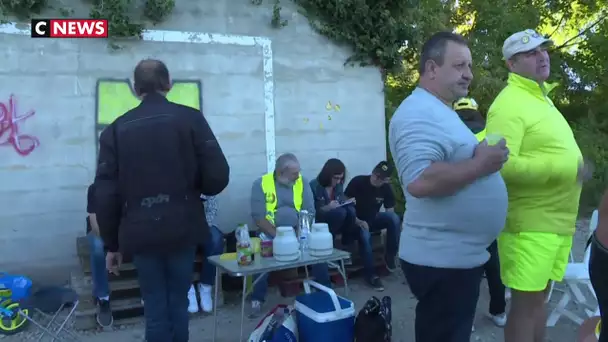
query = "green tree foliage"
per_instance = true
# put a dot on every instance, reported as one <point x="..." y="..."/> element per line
<point x="579" y="64"/>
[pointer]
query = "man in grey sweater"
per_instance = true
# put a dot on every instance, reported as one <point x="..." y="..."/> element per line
<point x="456" y="199"/>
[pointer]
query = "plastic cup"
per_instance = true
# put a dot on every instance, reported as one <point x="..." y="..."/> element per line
<point x="255" y="244"/>
<point x="493" y="139"/>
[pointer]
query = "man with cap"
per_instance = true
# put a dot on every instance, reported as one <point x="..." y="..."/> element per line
<point x="370" y="193"/>
<point x="543" y="177"/>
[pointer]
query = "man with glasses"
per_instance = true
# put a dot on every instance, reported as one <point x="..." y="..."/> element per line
<point x="543" y="177"/>
<point x="370" y="193"/>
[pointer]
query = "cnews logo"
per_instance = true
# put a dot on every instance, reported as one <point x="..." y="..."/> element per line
<point x="69" y="28"/>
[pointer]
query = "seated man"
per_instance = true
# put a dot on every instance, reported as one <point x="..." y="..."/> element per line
<point x="101" y="288"/>
<point x="276" y="199"/>
<point x="371" y="192"/>
<point x="213" y="246"/>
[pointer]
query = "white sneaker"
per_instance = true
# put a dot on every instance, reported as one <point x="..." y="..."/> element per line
<point x="256" y="309"/>
<point x="206" y="298"/>
<point x="192" y="302"/>
<point x="499" y="320"/>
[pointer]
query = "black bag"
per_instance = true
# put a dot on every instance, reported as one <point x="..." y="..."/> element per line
<point x="373" y="323"/>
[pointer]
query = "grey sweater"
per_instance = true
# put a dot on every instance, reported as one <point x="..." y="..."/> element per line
<point x="452" y="231"/>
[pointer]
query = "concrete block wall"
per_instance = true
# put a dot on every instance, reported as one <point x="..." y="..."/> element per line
<point x="47" y="159"/>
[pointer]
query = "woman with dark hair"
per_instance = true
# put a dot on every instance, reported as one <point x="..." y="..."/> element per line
<point x="332" y="206"/>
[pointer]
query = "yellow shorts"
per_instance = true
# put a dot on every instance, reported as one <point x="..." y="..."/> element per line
<point x="528" y="261"/>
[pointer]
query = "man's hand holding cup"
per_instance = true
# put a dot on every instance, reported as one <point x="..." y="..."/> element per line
<point x="491" y="154"/>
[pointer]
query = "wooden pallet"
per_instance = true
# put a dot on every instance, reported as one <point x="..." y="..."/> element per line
<point x="124" y="291"/>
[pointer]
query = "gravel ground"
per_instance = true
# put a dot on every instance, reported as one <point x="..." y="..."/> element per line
<point x="201" y="328"/>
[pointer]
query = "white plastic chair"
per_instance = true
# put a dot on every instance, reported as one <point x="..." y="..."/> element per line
<point x="577" y="275"/>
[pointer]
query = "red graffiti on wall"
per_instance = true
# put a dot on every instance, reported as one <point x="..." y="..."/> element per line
<point x="10" y="120"/>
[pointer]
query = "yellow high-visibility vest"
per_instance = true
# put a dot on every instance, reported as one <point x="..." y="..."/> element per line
<point x="481" y="135"/>
<point x="270" y="193"/>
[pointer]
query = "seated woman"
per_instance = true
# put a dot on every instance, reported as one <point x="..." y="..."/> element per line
<point x="214" y="245"/>
<point x="328" y="190"/>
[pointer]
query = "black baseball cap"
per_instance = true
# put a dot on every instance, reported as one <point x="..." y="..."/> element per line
<point x="383" y="169"/>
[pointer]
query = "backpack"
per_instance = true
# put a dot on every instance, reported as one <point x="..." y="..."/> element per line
<point x="374" y="320"/>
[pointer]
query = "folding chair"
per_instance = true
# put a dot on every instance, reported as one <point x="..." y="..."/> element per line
<point x="577" y="274"/>
<point x="49" y="303"/>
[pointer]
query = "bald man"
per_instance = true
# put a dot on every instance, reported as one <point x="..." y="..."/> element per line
<point x="155" y="161"/>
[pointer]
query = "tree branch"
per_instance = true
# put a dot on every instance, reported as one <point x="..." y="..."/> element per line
<point x="571" y="41"/>
<point x="559" y="24"/>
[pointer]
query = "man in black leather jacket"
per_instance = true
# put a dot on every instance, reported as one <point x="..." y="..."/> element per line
<point x="154" y="163"/>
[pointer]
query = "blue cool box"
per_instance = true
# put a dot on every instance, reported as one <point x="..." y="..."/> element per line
<point x="14" y="287"/>
<point x="324" y="317"/>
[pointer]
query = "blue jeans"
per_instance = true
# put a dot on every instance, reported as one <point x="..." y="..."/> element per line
<point x="213" y="246"/>
<point x="98" y="267"/>
<point x="341" y="220"/>
<point x="164" y="281"/>
<point x="385" y="220"/>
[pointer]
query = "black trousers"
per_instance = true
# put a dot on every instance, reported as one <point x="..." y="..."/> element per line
<point x="598" y="272"/>
<point x="498" y="304"/>
<point x="447" y="299"/>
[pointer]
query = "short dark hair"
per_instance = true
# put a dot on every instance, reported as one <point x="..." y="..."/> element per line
<point x="434" y="48"/>
<point x="151" y="76"/>
<point x="331" y="168"/>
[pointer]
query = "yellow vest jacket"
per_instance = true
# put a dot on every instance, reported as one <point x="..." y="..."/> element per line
<point x="543" y="161"/>
<point x="270" y="193"/>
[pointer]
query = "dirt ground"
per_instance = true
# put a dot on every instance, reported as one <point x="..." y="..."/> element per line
<point x="201" y="328"/>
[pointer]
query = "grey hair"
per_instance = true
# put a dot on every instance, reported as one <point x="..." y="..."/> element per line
<point x="285" y="161"/>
